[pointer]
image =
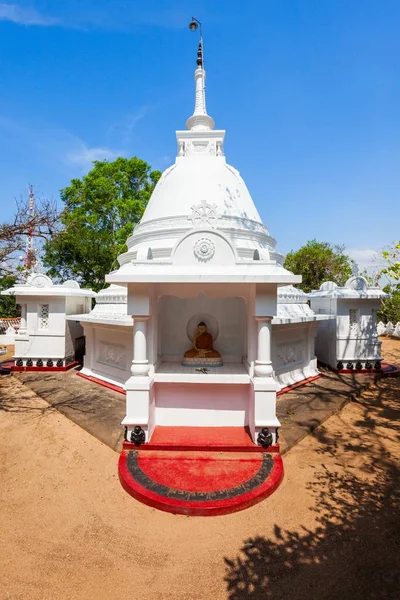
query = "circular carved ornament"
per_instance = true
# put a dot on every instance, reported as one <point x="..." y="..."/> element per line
<point x="357" y="283"/>
<point x="71" y="283"/>
<point x="40" y="281"/>
<point x="204" y="249"/>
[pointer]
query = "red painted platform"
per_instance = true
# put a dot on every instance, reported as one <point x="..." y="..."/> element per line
<point x="202" y="484"/>
<point x="106" y="384"/>
<point x="201" y="439"/>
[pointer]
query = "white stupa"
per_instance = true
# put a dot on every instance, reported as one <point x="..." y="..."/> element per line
<point x="201" y="192"/>
<point x="201" y="254"/>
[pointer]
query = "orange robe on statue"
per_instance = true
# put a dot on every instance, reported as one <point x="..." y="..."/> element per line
<point x="203" y="342"/>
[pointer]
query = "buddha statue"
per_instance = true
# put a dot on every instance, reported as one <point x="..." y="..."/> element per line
<point x="202" y="352"/>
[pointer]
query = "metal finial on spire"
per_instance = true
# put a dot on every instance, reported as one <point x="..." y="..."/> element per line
<point x="193" y="25"/>
<point x="199" y="60"/>
<point x="199" y="120"/>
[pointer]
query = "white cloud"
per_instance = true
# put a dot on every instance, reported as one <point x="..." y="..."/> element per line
<point x="124" y="128"/>
<point x="367" y="258"/>
<point x="57" y="146"/>
<point x="84" y="156"/>
<point x="24" y="16"/>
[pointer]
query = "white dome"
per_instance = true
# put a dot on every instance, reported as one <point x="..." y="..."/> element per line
<point x="198" y="186"/>
<point x="194" y="179"/>
<point x="113" y="294"/>
<point x="111" y="306"/>
<point x="200" y="191"/>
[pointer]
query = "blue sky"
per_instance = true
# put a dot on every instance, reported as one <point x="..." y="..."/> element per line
<point x="308" y="91"/>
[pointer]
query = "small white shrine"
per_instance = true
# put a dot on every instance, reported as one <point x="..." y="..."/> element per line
<point x="294" y="328"/>
<point x="45" y="339"/>
<point x="108" y="334"/>
<point x="350" y="340"/>
<point x="202" y="276"/>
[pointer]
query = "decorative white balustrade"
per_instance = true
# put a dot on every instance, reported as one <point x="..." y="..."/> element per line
<point x="6" y="324"/>
<point x="389" y="329"/>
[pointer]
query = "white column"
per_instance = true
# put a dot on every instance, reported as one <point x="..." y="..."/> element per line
<point x="263" y="364"/>
<point x="22" y="328"/>
<point x="139" y="385"/>
<point x="140" y="364"/>
<point x="89" y="347"/>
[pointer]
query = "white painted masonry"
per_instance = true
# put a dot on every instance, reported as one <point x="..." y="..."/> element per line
<point x="350" y="340"/>
<point x="46" y="338"/>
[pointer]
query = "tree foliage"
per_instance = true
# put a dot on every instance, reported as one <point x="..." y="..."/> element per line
<point x="100" y="212"/>
<point x="318" y="262"/>
<point x="40" y="224"/>
<point x="8" y="305"/>
<point x="390" y="309"/>
<point x="392" y="258"/>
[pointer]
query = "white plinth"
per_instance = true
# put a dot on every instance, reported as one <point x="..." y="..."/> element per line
<point x="169" y="372"/>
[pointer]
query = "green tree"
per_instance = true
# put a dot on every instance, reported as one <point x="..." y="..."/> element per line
<point x="8" y="306"/>
<point x="390" y="309"/>
<point x="318" y="262"/>
<point x="392" y="258"/>
<point x="100" y="212"/>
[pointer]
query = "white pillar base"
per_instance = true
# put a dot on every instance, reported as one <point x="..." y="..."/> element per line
<point x="140" y="365"/>
<point x="264" y="393"/>
<point x="263" y="364"/>
<point x="139" y="405"/>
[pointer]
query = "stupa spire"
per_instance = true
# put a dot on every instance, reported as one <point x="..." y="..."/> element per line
<point x="199" y="121"/>
<point x="30" y="253"/>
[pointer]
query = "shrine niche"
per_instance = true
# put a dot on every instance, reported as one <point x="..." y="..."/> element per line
<point x="179" y="319"/>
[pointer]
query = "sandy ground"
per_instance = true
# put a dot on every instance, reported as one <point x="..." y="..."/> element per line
<point x="69" y="531"/>
<point x="9" y="354"/>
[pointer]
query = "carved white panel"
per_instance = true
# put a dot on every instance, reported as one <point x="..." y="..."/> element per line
<point x="204" y="214"/>
<point x="112" y="354"/>
<point x="290" y="353"/>
<point x="354" y="318"/>
<point x="44" y="316"/>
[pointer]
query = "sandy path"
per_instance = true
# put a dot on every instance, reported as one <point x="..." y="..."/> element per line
<point x="69" y="531"/>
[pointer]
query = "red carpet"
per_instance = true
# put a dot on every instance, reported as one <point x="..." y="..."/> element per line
<point x="202" y="484"/>
<point x="204" y="439"/>
<point x="196" y="473"/>
<point x="207" y="437"/>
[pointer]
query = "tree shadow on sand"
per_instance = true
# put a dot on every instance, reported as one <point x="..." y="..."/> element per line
<point x="22" y="401"/>
<point x="353" y="553"/>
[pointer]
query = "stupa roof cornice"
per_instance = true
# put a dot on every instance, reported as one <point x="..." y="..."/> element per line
<point x="161" y="272"/>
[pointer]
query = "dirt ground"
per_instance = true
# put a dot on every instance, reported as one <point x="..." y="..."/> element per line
<point x="9" y="354"/>
<point x="69" y="531"/>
